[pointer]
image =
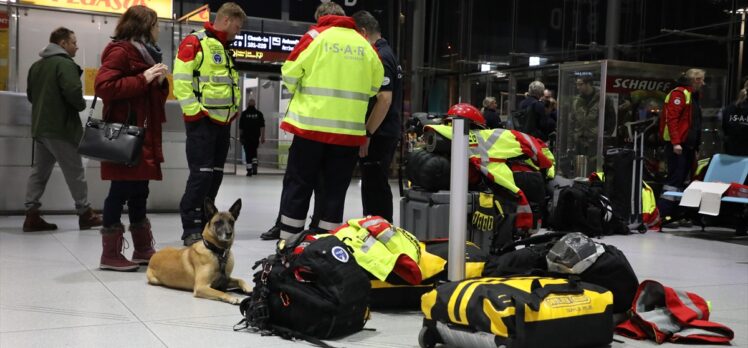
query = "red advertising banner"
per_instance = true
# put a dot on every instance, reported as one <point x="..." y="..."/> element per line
<point x="4" y="20"/>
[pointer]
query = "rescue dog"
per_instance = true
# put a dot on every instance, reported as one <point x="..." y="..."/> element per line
<point x="204" y="267"/>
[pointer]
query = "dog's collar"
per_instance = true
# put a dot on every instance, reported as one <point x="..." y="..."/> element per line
<point x="221" y="253"/>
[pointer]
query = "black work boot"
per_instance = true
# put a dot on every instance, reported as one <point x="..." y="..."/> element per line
<point x="273" y="233"/>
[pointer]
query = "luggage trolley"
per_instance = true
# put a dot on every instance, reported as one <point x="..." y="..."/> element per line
<point x="636" y="132"/>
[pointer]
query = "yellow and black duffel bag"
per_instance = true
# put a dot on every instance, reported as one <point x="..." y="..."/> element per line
<point x="517" y="312"/>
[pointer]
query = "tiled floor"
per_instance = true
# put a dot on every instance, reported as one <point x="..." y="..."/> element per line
<point x="52" y="293"/>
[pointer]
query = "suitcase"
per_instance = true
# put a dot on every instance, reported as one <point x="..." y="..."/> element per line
<point x="426" y="215"/>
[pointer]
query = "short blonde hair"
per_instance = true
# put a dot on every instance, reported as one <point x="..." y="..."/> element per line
<point x="487" y="101"/>
<point x="231" y="10"/>
<point x="743" y="94"/>
<point x="694" y="73"/>
<point x="328" y="8"/>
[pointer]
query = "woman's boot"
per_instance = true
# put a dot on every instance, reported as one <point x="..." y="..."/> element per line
<point x="142" y="237"/>
<point x="112" y="242"/>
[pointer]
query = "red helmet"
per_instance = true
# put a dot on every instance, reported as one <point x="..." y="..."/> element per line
<point x="468" y="111"/>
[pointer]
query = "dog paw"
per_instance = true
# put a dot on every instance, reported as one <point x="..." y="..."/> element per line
<point x="235" y="300"/>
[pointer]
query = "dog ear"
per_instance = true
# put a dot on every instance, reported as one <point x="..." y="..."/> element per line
<point x="235" y="208"/>
<point x="210" y="208"/>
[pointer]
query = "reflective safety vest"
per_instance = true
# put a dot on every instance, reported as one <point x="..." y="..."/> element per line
<point x="701" y="166"/>
<point x="332" y="72"/>
<point x="209" y="83"/>
<point x="664" y="314"/>
<point x="665" y="131"/>
<point x="650" y="213"/>
<point x="381" y="248"/>
<point x="489" y="151"/>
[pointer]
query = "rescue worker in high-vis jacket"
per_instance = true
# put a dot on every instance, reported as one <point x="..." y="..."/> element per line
<point x="680" y="128"/>
<point x="206" y="85"/>
<point x="332" y="72"/>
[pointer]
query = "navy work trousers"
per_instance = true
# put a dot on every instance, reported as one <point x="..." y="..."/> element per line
<point x="678" y="172"/>
<point x="376" y="194"/>
<point x="207" y="146"/>
<point x="307" y="161"/>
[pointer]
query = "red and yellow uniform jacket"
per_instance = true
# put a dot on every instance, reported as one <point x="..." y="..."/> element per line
<point x="332" y="72"/>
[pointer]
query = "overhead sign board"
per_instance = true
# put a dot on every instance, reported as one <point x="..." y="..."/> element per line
<point x="263" y="47"/>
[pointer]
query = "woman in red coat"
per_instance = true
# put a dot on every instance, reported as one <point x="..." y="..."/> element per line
<point x="131" y="81"/>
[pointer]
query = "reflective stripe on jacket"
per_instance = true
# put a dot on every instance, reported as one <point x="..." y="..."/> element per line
<point x="664" y="314"/>
<point x="676" y="117"/>
<point x="382" y="249"/>
<point x="209" y="83"/>
<point x="332" y="72"/>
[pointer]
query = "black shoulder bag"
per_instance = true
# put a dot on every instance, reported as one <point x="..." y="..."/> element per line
<point x="112" y="142"/>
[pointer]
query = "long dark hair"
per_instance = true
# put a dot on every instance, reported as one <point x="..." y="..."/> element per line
<point x="136" y="23"/>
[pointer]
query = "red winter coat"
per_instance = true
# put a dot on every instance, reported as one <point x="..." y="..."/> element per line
<point x="121" y="85"/>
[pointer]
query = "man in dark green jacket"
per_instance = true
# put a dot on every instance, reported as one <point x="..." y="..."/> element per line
<point x="55" y="92"/>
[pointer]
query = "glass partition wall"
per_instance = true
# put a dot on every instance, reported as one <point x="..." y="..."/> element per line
<point x="598" y="99"/>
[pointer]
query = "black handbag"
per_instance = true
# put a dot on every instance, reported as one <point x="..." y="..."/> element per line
<point x="112" y="142"/>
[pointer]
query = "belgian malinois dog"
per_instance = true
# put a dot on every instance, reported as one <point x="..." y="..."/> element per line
<point x="204" y="267"/>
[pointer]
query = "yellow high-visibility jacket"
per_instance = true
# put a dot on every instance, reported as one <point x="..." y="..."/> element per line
<point x="332" y="72"/>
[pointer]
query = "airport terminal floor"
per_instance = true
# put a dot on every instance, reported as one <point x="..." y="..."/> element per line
<point x="52" y="293"/>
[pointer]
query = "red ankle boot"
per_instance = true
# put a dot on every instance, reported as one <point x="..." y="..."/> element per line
<point x="142" y="237"/>
<point x="112" y="242"/>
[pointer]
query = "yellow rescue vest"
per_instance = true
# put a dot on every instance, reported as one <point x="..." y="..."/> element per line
<point x="380" y="252"/>
<point x="209" y="82"/>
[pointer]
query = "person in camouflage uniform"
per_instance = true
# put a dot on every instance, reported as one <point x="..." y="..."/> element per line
<point x="584" y="119"/>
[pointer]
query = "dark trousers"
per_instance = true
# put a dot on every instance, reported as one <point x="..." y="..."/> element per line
<point x="319" y="198"/>
<point x="376" y="195"/>
<point x="307" y="161"/>
<point x="207" y="147"/>
<point x="678" y="171"/>
<point x="250" y="150"/>
<point x="135" y="193"/>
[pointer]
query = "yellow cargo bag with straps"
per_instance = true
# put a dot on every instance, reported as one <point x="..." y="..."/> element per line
<point x="522" y="311"/>
<point x="433" y="264"/>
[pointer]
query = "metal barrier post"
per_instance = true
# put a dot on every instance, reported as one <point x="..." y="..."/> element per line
<point x="458" y="187"/>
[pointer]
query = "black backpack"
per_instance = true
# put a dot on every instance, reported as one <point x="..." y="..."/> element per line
<point x="518" y="119"/>
<point x="527" y="121"/>
<point x="582" y="207"/>
<point x="428" y="170"/>
<point x="310" y="289"/>
<point x="612" y="269"/>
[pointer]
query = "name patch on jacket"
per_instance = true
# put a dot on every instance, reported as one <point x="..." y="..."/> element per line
<point x="349" y="52"/>
<point x="738" y="118"/>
